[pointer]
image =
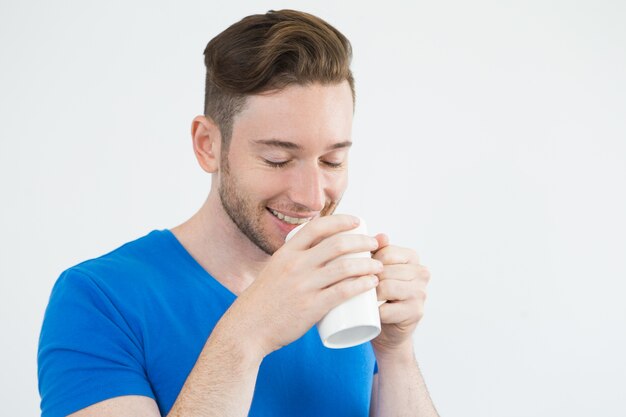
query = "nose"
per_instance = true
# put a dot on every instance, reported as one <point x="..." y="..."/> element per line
<point x="308" y="188"/>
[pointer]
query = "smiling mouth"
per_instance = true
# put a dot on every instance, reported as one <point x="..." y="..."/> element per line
<point x="287" y="219"/>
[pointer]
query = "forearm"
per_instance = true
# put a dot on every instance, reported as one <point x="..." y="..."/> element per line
<point x="222" y="381"/>
<point x="401" y="390"/>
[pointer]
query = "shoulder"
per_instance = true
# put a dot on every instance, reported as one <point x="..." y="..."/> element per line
<point x="142" y="253"/>
<point x="104" y="296"/>
<point x="129" y="264"/>
<point x="120" y="277"/>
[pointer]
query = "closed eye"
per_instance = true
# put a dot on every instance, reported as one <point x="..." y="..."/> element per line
<point x="280" y="164"/>
<point x="274" y="164"/>
<point x="333" y="164"/>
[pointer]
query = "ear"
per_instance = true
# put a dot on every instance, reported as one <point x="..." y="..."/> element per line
<point x="207" y="142"/>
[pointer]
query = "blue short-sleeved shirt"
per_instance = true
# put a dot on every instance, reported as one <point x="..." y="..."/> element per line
<point x="134" y="321"/>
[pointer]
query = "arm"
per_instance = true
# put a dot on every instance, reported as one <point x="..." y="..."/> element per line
<point x="220" y="384"/>
<point x="398" y="388"/>
<point x="223" y="379"/>
<point x="131" y="405"/>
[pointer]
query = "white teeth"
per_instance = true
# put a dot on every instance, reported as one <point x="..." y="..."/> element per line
<point x="290" y="220"/>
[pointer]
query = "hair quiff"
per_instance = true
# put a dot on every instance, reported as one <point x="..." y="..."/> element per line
<point x="267" y="52"/>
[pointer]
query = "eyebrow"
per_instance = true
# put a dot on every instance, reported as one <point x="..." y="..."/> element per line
<point x="290" y="145"/>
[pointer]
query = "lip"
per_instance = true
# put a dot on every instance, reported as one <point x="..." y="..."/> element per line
<point x="284" y="227"/>
<point x="295" y="215"/>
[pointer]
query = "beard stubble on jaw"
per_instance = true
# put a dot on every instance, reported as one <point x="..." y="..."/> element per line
<point x="241" y="211"/>
<point x="244" y="214"/>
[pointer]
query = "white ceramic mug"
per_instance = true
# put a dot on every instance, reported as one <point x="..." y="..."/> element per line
<point x="356" y="320"/>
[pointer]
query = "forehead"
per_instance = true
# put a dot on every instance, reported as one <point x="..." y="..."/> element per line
<point x="312" y="116"/>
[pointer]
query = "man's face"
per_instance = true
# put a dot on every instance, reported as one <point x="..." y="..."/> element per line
<point x="288" y="156"/>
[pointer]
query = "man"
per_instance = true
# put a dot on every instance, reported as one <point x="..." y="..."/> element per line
<point x="216" y="317"/>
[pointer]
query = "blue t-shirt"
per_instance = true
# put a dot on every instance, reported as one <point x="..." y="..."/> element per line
<point x="134" y="321"/>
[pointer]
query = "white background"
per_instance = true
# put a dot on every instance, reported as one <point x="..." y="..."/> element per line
<point x="489" y="135"/>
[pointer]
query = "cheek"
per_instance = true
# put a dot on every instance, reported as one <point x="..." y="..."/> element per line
<point x="267" y="184"/>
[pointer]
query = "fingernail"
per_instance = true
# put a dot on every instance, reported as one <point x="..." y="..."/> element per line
<point x="374" y="280"/>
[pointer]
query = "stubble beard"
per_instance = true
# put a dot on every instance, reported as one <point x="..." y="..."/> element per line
<point x="242" y="212"/>
<point x="245" y="215"/>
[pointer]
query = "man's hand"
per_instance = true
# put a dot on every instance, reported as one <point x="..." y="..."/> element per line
<point x="403" y="284"/>
<point x="302" y="281"/>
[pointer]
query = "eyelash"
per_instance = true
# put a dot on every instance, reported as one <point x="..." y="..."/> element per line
<point x="276" y="164"/>
<point x="334" y="165"/>
<point x="282" y="164"/>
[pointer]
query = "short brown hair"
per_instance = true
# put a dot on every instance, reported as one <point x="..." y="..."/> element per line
<point x="270" y="51"/>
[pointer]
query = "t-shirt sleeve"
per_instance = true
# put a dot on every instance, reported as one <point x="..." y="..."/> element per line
<point x="88" y="351"/>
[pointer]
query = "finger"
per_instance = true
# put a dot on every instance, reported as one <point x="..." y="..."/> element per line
<point x="320" y="228"/>
<point x="343" y="244"/>
<point x="406" y="272"/>
<point x="396" y="255"/>
<point x="402" y="272"/>
<point x="393" y="290"/>
<point x="383" y="240"/>
<point x="343" y="290"/>
<point x="401" y="313"/>
<point x="340" y="269"/>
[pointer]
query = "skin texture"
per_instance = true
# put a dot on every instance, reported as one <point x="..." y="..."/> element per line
<point x="307" y="129"/>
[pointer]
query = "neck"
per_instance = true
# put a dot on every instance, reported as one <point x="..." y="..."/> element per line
<point x="217" y="244"/>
